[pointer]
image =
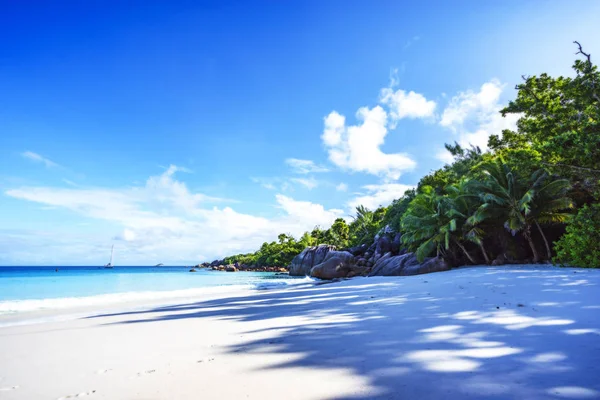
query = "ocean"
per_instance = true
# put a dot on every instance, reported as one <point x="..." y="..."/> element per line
<point x="25" y="289"/>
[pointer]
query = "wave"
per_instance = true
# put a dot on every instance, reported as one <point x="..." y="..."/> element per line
<point x="278" y="283"/>
<point x="19" y="306"/>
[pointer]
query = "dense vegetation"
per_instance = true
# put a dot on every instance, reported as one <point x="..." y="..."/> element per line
<point x="512" y="203"/>
<point x="280" y="253"/>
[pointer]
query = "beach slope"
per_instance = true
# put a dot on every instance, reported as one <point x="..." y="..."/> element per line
<point x="517" y="332"/>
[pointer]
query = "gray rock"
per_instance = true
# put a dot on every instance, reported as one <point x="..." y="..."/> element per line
<point x="376" y="257"/>
<point x="393" y="265"/>
<point x="337" y="264"/>
<point x="396" y="243"/>
<point x="500" y="260"/>
<point x="358" y="250"/>
<point x="384" y="244"/>
<point x="310" y="256"/>
<point x="433" y="264"/>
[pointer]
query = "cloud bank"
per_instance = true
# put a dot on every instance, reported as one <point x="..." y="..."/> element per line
<point x="161" y="221"/>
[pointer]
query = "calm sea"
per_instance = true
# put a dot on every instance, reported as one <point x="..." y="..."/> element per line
<point x="36" y="288"/>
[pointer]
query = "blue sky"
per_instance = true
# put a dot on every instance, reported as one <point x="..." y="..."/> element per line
<point x="184" y="131"/>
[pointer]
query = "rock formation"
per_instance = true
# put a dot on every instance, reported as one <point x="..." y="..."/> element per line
<point x="303" y="263"/>
<point x="337" y="264"/>
<point x="384" y="257"/>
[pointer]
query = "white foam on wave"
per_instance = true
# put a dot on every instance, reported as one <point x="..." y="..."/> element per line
<point x="19" y="306"/>
<point x="282" y="283"/>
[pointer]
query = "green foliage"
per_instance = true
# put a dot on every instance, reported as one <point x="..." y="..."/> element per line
<point x="580" y="246"/>
<point x="560" y="120"/>
<point x="440" y="221"/>
<point x="339" y="233"/>
<point x="518" y="202"/>
<point x="278" y="253"/>
<point x="426" y="224"/>
<point x="319" y="236"/>
<point x="365" y="225"/>
<point x="394" y="212"/>
<point x="456" y="215"/>
<point x="464" y="161"/>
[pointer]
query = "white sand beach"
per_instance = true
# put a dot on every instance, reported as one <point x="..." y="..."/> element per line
<point x="481" y="332"/>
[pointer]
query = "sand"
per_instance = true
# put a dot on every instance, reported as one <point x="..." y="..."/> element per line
<point x="479" y="332"/>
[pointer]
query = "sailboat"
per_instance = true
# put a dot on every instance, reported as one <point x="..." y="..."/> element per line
<point x="110" y="264"/>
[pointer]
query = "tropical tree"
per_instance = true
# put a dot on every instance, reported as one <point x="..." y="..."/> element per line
<point x="580" y="246"/>
<point x="505" y="198"/>
<point x="318" y="235"/>
<point x="520" y="203"/>
<point x="339" y="233"/>
<point x="462" y="202"/>
<point x="424" y="225"/>
<point x="560" y="119"/>
<point x="549" y="203"/>
<point x="363" y="227"/>
<point x="394" y="212"/>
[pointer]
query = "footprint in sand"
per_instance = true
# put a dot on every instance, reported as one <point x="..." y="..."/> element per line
<point x="74" y="396"/>
<point x="9" y="388"/>
<point x="103" y="371"/>
<point x="150" y="371"/>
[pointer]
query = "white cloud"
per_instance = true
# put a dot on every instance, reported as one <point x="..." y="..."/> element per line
<point x="407" y="105"/>
<point x="357" y="147"/>
<point x="267" y="183"/>
<point x="444" y="156"/>
<point x="304" y="166"/>
<point x="342" y="187"/>
<point x="286" y="184"/>
<point x="379" y="195"/>
<point x="310" y="182"/>
<point x="310" y="214"/>
<point x="474" y="116"/>
<point x="30" y="155"/>
<point x="161" y="221"/>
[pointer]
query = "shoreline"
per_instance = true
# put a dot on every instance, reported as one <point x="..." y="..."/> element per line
<point x="510" y="332"/>
<point x="28" y="311"/>
<point x="67" y="308"/>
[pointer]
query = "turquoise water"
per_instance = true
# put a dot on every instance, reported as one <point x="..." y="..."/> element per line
<point x="32" y="288"/>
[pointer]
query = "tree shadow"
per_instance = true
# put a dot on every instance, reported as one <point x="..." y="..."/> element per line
<point x="520" y="333"/>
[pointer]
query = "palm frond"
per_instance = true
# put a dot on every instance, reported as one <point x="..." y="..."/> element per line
<point x="425" y="249"/>
<point x="554" y="218"/>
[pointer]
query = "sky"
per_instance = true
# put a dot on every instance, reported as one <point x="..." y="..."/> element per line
<point x="184" y="131"/>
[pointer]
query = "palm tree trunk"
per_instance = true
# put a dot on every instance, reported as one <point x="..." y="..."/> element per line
<point x="465" y="251"/>
<point x="527" y="234"/>
<point x="548" y="251"/>
<point x="485" y="255"/>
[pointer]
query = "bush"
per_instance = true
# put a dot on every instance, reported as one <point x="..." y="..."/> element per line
<point x="580" y="246"/>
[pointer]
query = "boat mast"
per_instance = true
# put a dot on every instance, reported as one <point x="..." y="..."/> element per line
<point x="112" y="250"/>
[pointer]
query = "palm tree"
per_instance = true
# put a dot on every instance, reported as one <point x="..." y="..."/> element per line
<point x="430" y="224"/>
<point x="520" y="203"/>
<point x="550" y="201"/>
<point x="422" y="224"/>
<point x="364" y="222"/>
<point x="462" y="203"/>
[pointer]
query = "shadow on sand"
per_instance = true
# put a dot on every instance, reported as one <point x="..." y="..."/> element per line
<point x="498" y="333"/>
